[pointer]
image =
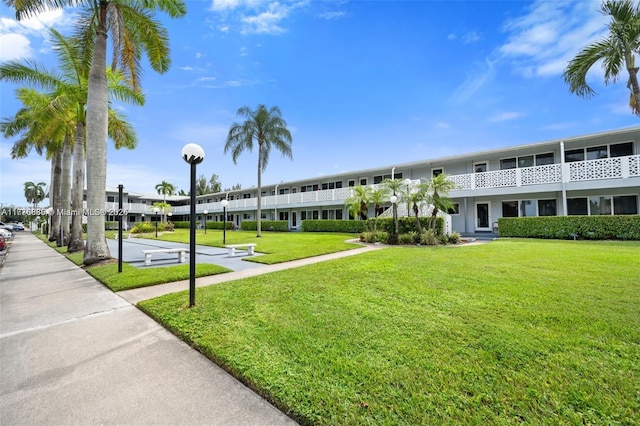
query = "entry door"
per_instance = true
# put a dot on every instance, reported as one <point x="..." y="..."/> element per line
<point x="293" y="219"/>
<point x="482" y="217"/>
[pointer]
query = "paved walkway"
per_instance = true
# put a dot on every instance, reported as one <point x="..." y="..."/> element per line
<point x="136" y="295"/>
<point x="73" y="352"/>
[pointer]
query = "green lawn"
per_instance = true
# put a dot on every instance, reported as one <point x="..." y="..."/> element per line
<point x="515" y="331"/>
<point x="132" y="277"/>
<point x="278" y="246"/>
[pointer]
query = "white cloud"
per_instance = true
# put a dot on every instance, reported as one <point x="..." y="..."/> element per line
<point x="451" y="36"/>
<point x="256" y="16"/>
<point x="470" y="37"/>
<point x="476" y="78"/>
<point x="14" y="46"/>
<point x="541" y="42"/>
<point x="504" y="116"/>
<point x="333" y="15"/>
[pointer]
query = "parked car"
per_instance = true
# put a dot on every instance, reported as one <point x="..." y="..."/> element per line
<point x="17" y="226"/>
<point x="5" y="233"/>
<point x="3" y="245"/>
<point x="7" y="226"/>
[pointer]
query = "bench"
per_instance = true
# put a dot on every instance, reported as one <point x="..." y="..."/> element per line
<point x="232" y="248"/>
<point x="181" y="254"/>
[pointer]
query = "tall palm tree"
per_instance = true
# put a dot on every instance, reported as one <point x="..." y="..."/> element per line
<point x="268" y="129"/>
<point x="34" y="192"/>
<point x="69" y="105"/>
<point x="438" y="196"/>
<point x="393" y="188"/>
<point x="134" y="31"/>
<point x="416" y="198"/>
<point x="164" y="188"/>
<point x="39" y="127"/>
<point x="616" y="51"/>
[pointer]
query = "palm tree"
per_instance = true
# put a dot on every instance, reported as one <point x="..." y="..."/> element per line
<point x="394" y="187"/>
<point x="438" y="196"/>
<point x="164" y="188"/>
<point x="34" y="193"/>
<point x="134" y="31"/>
<point x="377" y="197"/>
<point x="358" y="203"/>
<point x="68" y="104"/>
<point x="415" y="198"/>
<point x="615" y="51"/>
<point x="268" y="129"/>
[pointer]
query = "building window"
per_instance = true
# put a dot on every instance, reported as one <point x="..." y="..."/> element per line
<point x="455" y="209"/>
<point x="316" y="187"/>
<point x="597" y="152"/>
<point x="325" y="214"/>
<point x="303" y="215"/>
<point x="397" y="176"/>
<point x="600" y="205"/>
<point x="621" y="149"/>
<point x="111" y="198"/>
<point x="377" y="179"/>
<point x="577" y="206"/>
<point x="338" y="184"/>
<point x="351" y="183"/>
<point x="325" y="186"/>
<point x="625" y="204"/>
<point x="526" y="161"/>
<point x="544" y="159"/>
<point x="507" y="163"/>
<point x="339" y="214"/>
<point x="245" y="196"/>
<point x="246" y="216"/>
<point x="314" y="214"/>
<point x="294" y="190"/>
<point x="527" y="208"/>
<point x="480" y="167"/>
<point x="547" y="208"/>
<point x="509" y="209"/>
<point x="363" y="182"/>
<point x="574" y="155"/>
<point x="283" y="215"/>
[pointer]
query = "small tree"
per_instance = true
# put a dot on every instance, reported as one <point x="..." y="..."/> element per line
<point x="437" y="194"/>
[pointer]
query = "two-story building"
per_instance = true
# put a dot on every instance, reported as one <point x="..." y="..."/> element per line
<point x="594" y="174"/>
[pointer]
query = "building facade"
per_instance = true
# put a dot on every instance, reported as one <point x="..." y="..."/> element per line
<point x="585" y="175"/>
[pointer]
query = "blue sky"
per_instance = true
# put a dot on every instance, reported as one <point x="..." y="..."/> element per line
<point x="361" y="84"/>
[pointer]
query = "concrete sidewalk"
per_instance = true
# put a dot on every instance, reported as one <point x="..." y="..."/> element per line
<point x="73" y="352"/>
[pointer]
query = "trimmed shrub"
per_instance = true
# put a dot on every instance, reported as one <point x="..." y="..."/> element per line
<point x="409" y="238"/>
<point x="454" y="238"/>
<point x="111" y="225"/>
<point x="408" y="224"/>
<point x="143" y="227"/>
<point x="219" y="225"/>
<point x="344" y="226"/>
<point x="572" y="227"/>
<point x="265" y="225"/>
<point x="181" y="224"/>
<point x="374" y="237"/>
<point x="429" y="238"/>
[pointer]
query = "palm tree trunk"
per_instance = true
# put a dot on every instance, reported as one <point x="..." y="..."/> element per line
<point x="96" y="248"/>
<point x="258" y="223"/>
<point x="55" y="193"/>
<point x="65" y="191"/>
<point x="76" y="243"/>
<point x="416" y="212"/>
<point x="635" y="88"/>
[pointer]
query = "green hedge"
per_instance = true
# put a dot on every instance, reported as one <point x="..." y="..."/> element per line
<point x="265" y="225"/>
<point x="569" y="227"/>
<point x="210" y="224"/>
<point x="405" y="225"/>
<point x="346" y="226"/>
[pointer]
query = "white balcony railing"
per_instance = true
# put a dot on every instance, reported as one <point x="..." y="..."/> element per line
<point x="606" y="168"/>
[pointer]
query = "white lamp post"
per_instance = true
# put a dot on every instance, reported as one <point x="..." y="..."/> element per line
<point x="205" y="221"/>
<point x="407" y="182"/>
<point x="192" y="154"/>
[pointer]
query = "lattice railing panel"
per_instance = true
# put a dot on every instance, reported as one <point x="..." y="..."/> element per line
<point x="496" y="179"/>
<point x="634" y="165"/>
<point x="550" y="173"/>
<point x="604" y="168"/>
